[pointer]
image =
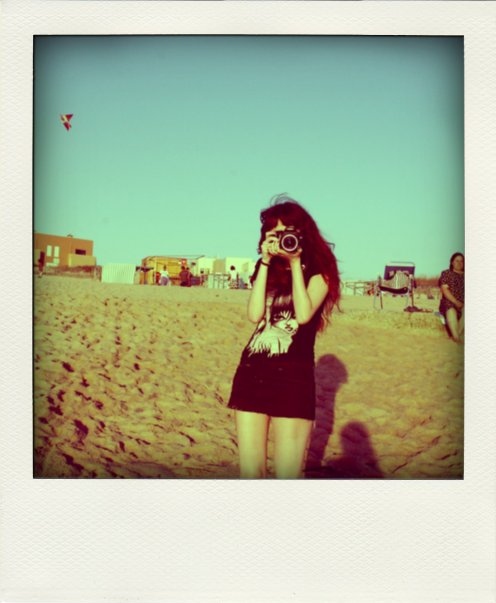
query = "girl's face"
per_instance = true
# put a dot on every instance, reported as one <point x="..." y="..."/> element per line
<point x="279" y="227"/>
<point x="458" y="263"/>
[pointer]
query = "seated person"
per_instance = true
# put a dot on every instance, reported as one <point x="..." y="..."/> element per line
<point x="452" y="285"/>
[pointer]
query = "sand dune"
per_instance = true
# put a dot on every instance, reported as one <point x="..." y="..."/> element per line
<point x="133" y="381"/>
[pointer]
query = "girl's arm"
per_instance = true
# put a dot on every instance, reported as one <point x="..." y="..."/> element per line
<point x="306" y="300"/>
<point x="256" y="303"/>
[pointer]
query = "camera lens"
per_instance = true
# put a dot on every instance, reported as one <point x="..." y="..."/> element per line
<point x="289" y="242"/>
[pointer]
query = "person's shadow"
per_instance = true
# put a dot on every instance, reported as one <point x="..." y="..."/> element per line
<point x="330" y="374"/>
<point x="358" y="459"/>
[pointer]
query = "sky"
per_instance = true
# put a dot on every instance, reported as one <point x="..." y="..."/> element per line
<point x="178" y="142"/>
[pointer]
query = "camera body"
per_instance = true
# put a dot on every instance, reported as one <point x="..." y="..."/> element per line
<point x="289" y="239"/>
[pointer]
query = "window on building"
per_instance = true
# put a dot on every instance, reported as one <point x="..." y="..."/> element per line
<point x="80" y="251"/>
<point x="56" y="251"/>
<point x="49" y="251"/>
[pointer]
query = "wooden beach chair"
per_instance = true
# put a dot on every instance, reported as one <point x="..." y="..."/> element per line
<point x="399" y="279"/>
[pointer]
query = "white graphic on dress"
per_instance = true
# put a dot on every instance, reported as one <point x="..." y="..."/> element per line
<point x="274" y="334"/>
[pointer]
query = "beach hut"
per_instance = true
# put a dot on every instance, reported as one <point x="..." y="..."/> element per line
<point x="62" y="251"/>
<point x="118" y="273"/>
<point x="172" y="263"/>
<point x="204" y="265"/>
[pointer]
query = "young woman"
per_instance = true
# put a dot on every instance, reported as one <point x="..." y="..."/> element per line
<point x="452" y="284"/>
<point x="295" y="287"/>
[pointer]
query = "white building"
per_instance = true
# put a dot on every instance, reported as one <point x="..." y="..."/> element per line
<point x="222" y="266"/>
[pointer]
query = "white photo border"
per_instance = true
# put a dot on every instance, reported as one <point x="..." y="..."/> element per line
<point x="198" y="540"/>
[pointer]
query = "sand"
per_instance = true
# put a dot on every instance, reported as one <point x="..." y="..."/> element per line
<point x="132" y="382"/>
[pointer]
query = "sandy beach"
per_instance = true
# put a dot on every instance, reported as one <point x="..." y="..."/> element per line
<point x="133" y="381"/>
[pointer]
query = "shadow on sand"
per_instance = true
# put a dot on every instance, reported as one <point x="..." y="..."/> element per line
<point x="357" y="459"/>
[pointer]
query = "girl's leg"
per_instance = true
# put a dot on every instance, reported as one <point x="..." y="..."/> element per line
<point x="291" y="438"/>
<point x="452" y="322"/>
<point x="252" y="428"/>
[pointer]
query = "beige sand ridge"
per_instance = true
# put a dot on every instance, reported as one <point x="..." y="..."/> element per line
<point x="133" y="381"/>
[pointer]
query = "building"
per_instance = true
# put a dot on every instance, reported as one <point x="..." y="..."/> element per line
<point x="244" y="266"/>
<point x="65" y="252"/>
<point x="153" y="264"/>
<point x="218" y="269"/>
<point x="119" y="273"/>
<point x="202" y="268"/>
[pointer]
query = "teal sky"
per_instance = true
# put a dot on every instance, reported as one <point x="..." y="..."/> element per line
<point x="178" y="142"/>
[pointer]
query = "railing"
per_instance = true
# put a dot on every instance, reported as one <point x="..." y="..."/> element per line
<point x="218" y="281"/>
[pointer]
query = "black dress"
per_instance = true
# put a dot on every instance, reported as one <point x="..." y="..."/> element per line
<point x="275" y="375"/>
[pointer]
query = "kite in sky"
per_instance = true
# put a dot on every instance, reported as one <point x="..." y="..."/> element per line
<point x="65" y="119"/>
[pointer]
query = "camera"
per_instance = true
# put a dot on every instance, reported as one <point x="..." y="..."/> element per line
<point x="289" y="239"/>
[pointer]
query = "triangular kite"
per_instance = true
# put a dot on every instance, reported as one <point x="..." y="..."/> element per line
<point x="65" y="119"/>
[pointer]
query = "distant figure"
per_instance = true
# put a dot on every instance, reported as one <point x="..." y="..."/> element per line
<point x="41" y="264"/>
<point x="164" y="277"/>
<point x="233" y="278"/>
<point x="452" y="285"/>
<point x="185" y="277"/>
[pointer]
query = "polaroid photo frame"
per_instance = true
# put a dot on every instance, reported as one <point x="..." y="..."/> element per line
<point x="196" y="540"/>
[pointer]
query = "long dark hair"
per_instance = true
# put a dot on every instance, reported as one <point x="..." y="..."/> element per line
<point x="317" y="255"/>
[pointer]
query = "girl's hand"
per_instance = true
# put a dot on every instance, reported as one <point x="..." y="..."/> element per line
<point x="269" y="247"/>
<point x="294" y="256"/>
